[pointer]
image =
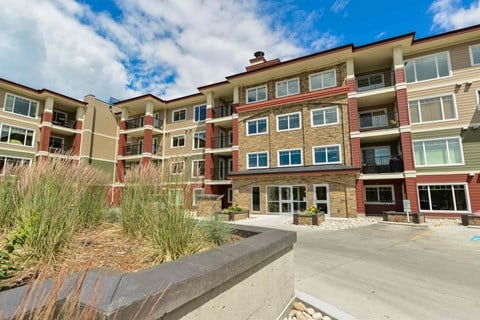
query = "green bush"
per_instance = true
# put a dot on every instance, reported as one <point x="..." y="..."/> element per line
<point x="217" y="232"/>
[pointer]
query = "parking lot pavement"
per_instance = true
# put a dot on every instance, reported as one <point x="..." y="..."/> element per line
<point x="389" y="271"/>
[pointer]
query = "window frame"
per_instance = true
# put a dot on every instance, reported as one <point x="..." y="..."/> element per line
<point x="195" y="108"/>
<point x="258" y="153"/>
<point x="175" y="163"/>
<point x="454" y="101"/>
<point x="324" y="109"/>
<point x="15" y="96"/>
<point x="478" y="99"/>
<point x="449" y="64"/>
<point x="256" y="121"/>
<point x="196" y="166"/>
<point x="321" y="73"/>
<point x="194" y="139"/>
<point x="288" y="115"/>
<point x="194" y="197"/>
<point x="5" y="157"/>
<point x="437" y="165"/>
<point x="467" y="196"/>
<point x="22" y="128"/>
<point x="184" y="141"/>
<point x="179" y="110"/>
<point x="378" y="186"/>
<point x="290" y="165"/>
<point x="326" y="147"/>
<point x="470" y="51"/>
<point x="230" y="195"/>
<point x="256" y="94"/>
<point x="371" y="112"/>
<point x="259" y="199"/>
<point x="286" y="81"/>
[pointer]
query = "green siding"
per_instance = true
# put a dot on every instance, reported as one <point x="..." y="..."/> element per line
<point x="470" y="145"/>
<point x="106" y="166"/>
<point x="17" y="154"/>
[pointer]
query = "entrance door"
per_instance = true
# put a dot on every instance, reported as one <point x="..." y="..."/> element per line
<point x="221" y="169"/>
<point x="285" y="200"/>
<point x="320" y="193"/>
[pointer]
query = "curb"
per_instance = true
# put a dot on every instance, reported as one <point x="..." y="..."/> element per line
<point x="324" y="307"/>
<point x="415" y="225"/>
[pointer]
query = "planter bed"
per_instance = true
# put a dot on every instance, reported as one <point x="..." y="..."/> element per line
<point x="308" y="219"/>
<point x="402" y="217"/>
<point x="232" y="216"/>
<point x="471" y="219"/>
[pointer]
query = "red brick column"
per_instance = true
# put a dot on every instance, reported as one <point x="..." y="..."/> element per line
<point x="122" y="142"/>
<point x="402" y="105"/>
<point x="360" y="197"/>
<point x="411" y="193"/>
<point x="45" y="131"/>
<point x="399" y="75"/>
<point x="407" y="151"/>
<point x="77" y="139"/>
<point x="356" y="152"/>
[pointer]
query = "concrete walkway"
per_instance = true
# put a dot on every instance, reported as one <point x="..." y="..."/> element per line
<point x="388" y="271"/>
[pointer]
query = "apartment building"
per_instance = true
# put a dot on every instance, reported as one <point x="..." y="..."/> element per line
<point x="43" y="123"/>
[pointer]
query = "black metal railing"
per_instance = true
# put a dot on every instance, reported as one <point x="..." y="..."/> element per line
<point x="221" y="142"/>
<point x="383" y="164"/>
<point x="369" y="121"/>
<point x="223" y="111"/>
<point x="60" y="149"/>
<point x="65" y="123"/>
<point x="134" y="123"/>
<point x="133" y="149"/>
<point x="375" y="81"/>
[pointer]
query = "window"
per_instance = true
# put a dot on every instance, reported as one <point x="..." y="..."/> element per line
<point x="16" y="135"/>
<point x="178" y="141"/>
<point x="230" y="137"/>
<point x="175" y="196"/>
<point x="475" y="55"/>
<point x="255" y="199"/>
<point x="292" y="157"/>
<point x="198" y="168"/>
<point x="326" y="154"/>
<point x="428" y="67"/>
<point x="256" y="94"/>
<point x="229" y="195"/>
<point x="323" y="80"/>
<point x="324" y="116"/>
<point x="373" y="119"/>
<point x="379" y="195"/>
<point x="320" y="197"/>
<point x="439" y="152"/>
<point x="60" y="118"/>
<point x="197" y="192"/>
<point x="21" y="106"/>
<point x="257" y="160"/>
<point x="286" y="199"/>
<point x="370" y="82"/>
<point x="443" y="197"/>
<point x="55" y="144"/>
<point x="199" y="113"/>
<point x="379" y="156"/>
<point x="230" y="165"/>
<point x="9" y="161"/>
<point x="478" y="100"/>
<point x="179" y="115"/>
<point x="432" y="109"/>
<point x="199" y="140"/>
<point x="257" y="126"/>
<point x="288" y="122"/>
<point x="287" y="88"/>
<point x="177" y="167"/>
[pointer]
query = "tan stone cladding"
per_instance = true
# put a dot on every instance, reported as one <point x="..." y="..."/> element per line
<point x="342" y="200"/>
<point x="305" y="138"/>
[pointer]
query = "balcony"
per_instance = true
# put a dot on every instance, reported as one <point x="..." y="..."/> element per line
<point x="221" y="142"/>
<point x="135" y="123"/>
<point x="382" y="164"/>
<point x="137" y="149"/>
<point x="223" y="111"/>
<point x="375" y="81"/>
<point x="65" y="123"/>
<point x="376" y="120"/>
<point x="220" y="173"/>
<point x="60" y="148"/>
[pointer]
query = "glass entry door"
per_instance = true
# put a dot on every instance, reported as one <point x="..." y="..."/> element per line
<point x="286" y="199"/>
<point x="321" y="198"/>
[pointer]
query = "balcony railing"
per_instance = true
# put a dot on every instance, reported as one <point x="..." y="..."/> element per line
<point x="223" y="111"/>
<point x="137" y="149"/>
<point x="375" y="81"/>
<point x="139" y="123"/>
<point x="65" y="123"/>
<point x="372" y="121"/>
<point x="382" y="164"/>
<point x="60" y="149"/>
<point x="221" y="142"/>
<point x="220" y="173"/>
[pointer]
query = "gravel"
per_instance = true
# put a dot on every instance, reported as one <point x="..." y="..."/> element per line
<point x="334" y="224"/>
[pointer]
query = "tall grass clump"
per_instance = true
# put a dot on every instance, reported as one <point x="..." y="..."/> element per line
<point x="9" y="196"/>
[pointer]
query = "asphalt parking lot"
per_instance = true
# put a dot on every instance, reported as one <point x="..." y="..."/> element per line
<point x="390" y="271"/>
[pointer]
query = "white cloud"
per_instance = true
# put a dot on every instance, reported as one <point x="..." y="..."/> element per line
<point x="339" y="5"/>
<point x="451" y="14"/>
<point x="326" y="41"/>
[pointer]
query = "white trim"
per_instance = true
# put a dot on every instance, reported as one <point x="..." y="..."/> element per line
<point x="258" y="153"/>
<point x="478" y="99"/>
<point x="178" y="110"/>
<point x="417" y="100"/>
<point x="255" y="120"/>
<point x="286" y="81"/>
<point x="290" y="165"/>
<point x="321" y="73"/>
<point x="256" y="94"/>
<point x="193" y="168"/>
<point x="436" y="67"/>
<point x="198" y="106"/>
<point x="392" y="189"/>
<point x="324" y="109"/>
<point x="15" y="96"/>
<point x="326" y="147"/>
<point x="448" y="153"/>
<point x="184" y="141"/>
<point x="259" y="198"/>
<point x="288" y="115"/>
<point x="467" y="196"/>
<point x="471" y="54"/>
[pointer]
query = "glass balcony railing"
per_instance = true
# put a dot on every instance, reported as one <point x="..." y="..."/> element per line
<point x="375" y="81"/>
<point x="382" y="164"/>
<point x="377" y="120"/>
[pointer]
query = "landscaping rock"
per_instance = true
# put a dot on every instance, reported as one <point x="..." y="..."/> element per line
<point x="298" y="306"/>
<point x="300" y="312"/>
<point x="317" y="316"/>
<point x="310" y="311"/>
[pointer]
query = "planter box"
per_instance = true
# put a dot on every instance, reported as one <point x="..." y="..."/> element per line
<point x="402" y="217"/>
<point x="232" y="216"/>
<point x="308" y="219"/>
<point x="470" y="220"/>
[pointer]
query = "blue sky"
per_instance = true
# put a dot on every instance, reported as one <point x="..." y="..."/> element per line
<point x="124" y="48"/>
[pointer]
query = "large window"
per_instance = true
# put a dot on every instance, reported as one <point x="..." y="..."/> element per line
<point x="12" y="162"/>
<point x="289" y="122"/>
<point x="326" y="154"/>
<point x="256" y="94"/>
<point x="199" y="113"/>
<point x="19" y="105"/>
<point x="443" y="197"/>
<point x="439" y="152"/>
<point x="178" y="141"/>
<point x="257" y="160"/>
<point x="323" y="80"/>
<point x="255" y="199"/>
<point x="432" y="109"/>
<point x="324" y="116"/>
<point x="287" y="87"/>
<point x="379" y="195"/>
<point x="321" y="199"/>
<point x="177" y="167"/>
<point x="475" y="55"/>
<point x="179" y="115"/>
<point x="292" y="157"/>
<point x="286" y="199"/>
<point x="428" y="67"/>
<point x="257" y="126"/>
<point x="199" y="140"/>
<point x="16" y="135"/>
<point x="198" y="168"/>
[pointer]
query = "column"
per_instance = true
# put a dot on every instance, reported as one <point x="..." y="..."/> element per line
<point x="77" y="139"/>
<point x="147" y="134"/>
<point x="46" y="126"/>
<point x="122" y="142"/>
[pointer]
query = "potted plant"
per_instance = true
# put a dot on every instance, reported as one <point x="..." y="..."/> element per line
<point x="232" y="213"/>
<point x="471" y="219"/>
<point x="311" y="216"/>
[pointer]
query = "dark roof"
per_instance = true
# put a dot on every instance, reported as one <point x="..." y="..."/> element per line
<point x="296" y="170"/>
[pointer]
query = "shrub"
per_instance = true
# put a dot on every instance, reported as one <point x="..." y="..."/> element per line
<point x="217" y="231"/>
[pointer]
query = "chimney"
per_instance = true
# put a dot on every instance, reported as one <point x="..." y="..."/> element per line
<point x="260" y="62"/>
<point x="259" y="58"/>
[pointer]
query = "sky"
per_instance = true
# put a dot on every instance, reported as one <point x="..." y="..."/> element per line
<point x="125" y="48"/>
